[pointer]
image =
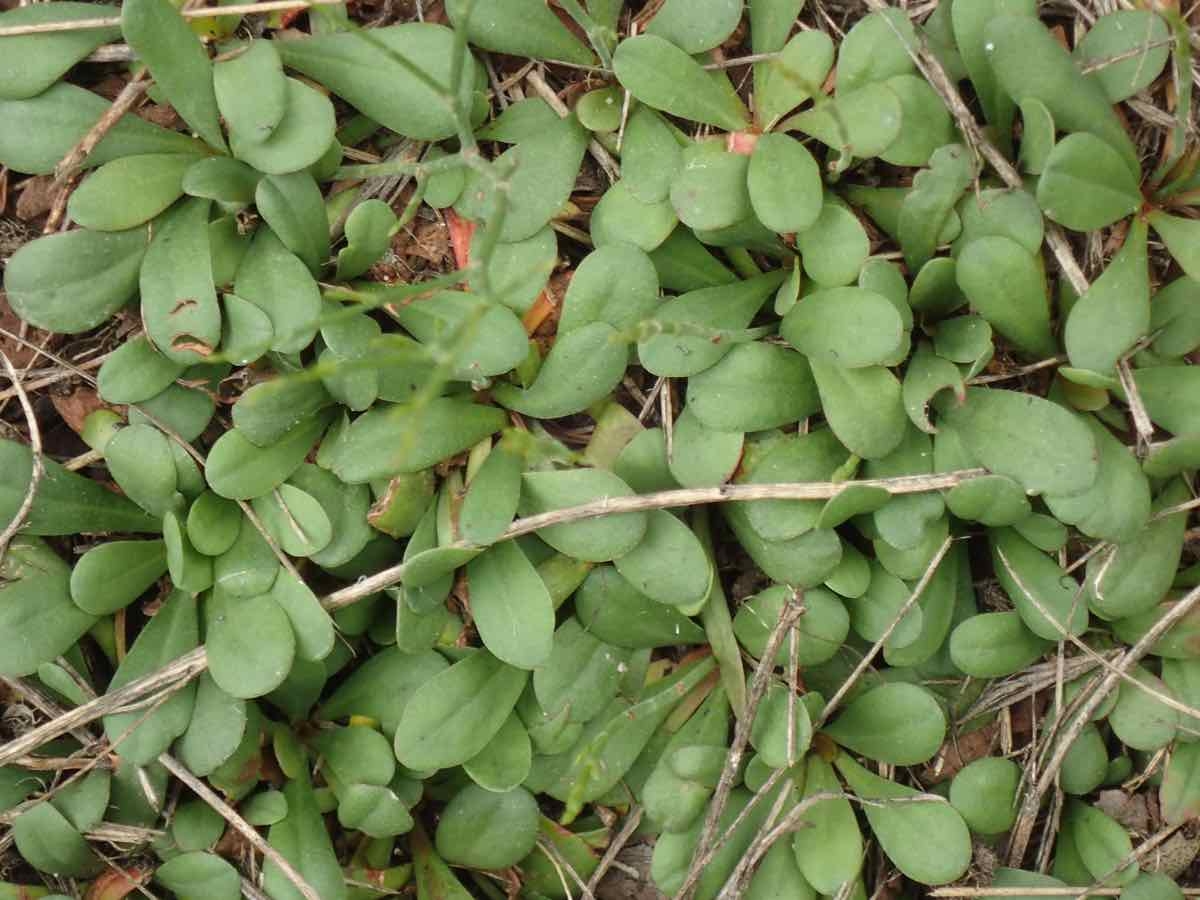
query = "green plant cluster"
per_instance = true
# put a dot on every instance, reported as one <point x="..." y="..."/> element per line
<point x="500" y="686"/>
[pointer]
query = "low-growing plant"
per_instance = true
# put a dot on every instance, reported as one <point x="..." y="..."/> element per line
<point x="429" y="579"/>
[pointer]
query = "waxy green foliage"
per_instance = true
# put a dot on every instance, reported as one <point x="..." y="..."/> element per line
<point x="417" y="367"/>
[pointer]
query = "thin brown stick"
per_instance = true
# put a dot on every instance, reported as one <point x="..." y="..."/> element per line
<point x="702" y="855"/>
<point x="240" y="825"/>
<point x="175" y="674"/>
<point x="615" y="846"/>
<point x="1033" y="797"/>
<point x="35" y="448"/>
<point x="47" y="380"/>
<point x="610" y="506"/>
<point x="242" y="9"/>
<point x="866" y="661"/>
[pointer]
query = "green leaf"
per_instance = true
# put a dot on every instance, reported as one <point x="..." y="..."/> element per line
<point x="517" y="272"/>
<point x="272" y="408"/>
<point x="505" y="762"/>
<point x="757" y="386"/>
<point x="239" y="470"/>
<point x="834" y="249"/>
<point x="294" y="209"/>
<point x="495" y="340"/>
<point x="1153" y="886"/>
<point x="595" y="540"/>
<point x="600" y="109"/>
<point x="1046" y="598"/>
<point x="696" y="25"/>
<point x="808" y="457"/>
<point x="1028" y="62"/>
<point x="926" y="208"/>
<point x="829" y="849"/>
<point x="822" y="630"/>
<point x="544" y="167"/>
<point x="709" y="190"/>
<point x="616" y="285"/>
<point x="769" y="733"/>
<point x="295" y="520"/>
<point x="374" y="810"/>
<point x="217" y="726"/>
<point x="492" y="495"/>
<point x="795" y="75"/>
<point x="221" y="178"/>
<point x="1103" y="843"/>
<point x="1175" y="317"/>
<point x="613" y="610"/>
<point x="1117" y="505"/>
<point x="1006" y="284"/>
<point x="303" y="136"/>
<point x="897" y="723"/>
<point x="399" y="438"/>
<point x="703" y="457"/>
<point x="34" y="62"/>
<point x="65" y="503"/>
<point x="1037" y="136"/>
<point x="582" y="368"/>
<point x="251" y="91"/>
<point x="1119" y="33"/>
<point x="860" y="123"/>
<point x="368" y="234"/>
<point x="1179" y="794"/>
<point x="664" y="77"/>
<point x="875" y="49"/>
<point x="620" y="217"/>
<point x="139" y="459"/>
<point x="1181" y="237"/>
<point x="650" y="156"/>
<point x="38" y="621"/>
<point x="927" y="840"/>
<point x="581" y="676"/>
<point x="993" y="645"/>
<point x="805" y="561"/>
<point x="435" y="880"/>
<point x="381" y="687"/>
<point x="74" y="281"/>
<point x="129" y="191"/>
<point x="985" y="794"/>
<point x="848" y="327"/>
<point x="862" y="406"/>
<point x="199" y="876"/>
<point x="486" y="830"/>
<point x="727" y="307"/>
<point x="1169" y="393"/>
<point x="1134" y="575"/>
<point x="927" y="123"/>
<point x="454" y="714"/>
<point x="179" y="301"/>
<point x="668" y="564"/>
<point x="175" y="57"/>
<point x="49" y="843"/>
<point x="174" y="630"/>
<point x="1031" y="440"/>
<point x="1086" y="184"/>
<point x="970" y="22"/>
<point x="511" y="606"/>
<point x="784" y="182"/>
<point x="519" y="28"/>
<point x="279" y="284"/>
<point x="112" y="575"/>
<point x="40" y="131"/>
<point x="135" y="372"/>
<point x="250" y="643"/>
<point x="302" y="840"/>
<point x="346" y="507"/>
<point x="1140" y="719"/>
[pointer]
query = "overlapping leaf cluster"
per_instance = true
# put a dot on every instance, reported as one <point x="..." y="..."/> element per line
<point x="500" y="686"/>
